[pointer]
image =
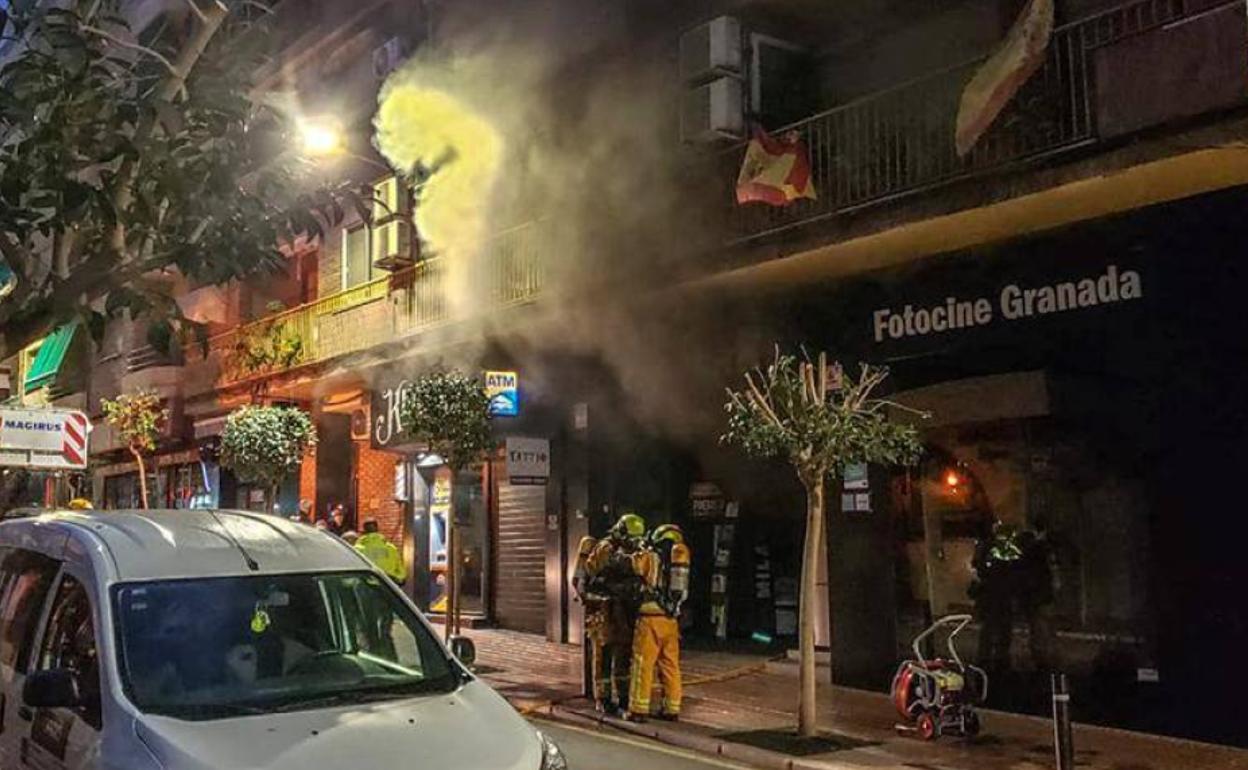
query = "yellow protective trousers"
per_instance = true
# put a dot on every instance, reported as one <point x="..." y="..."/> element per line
<point x="656" y="641"/>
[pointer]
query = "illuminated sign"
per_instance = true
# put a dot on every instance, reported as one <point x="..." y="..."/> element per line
<point x="503" y="390"/>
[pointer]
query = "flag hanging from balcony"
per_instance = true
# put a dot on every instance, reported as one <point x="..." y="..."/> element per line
<point x="776" y="170"/>
<point x="999" y="78"/>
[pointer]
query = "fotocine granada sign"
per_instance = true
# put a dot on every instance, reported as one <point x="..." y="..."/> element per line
<point x="1012" y="303"/>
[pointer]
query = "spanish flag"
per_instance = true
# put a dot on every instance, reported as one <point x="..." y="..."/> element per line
<point x="776" y="171"/>
<point x="999" y="78"/>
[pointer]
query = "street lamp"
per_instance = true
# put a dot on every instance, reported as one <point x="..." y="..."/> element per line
<point x="319" y="138"/>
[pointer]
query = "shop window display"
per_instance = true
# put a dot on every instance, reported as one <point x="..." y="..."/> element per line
<point x="1078" y="508"/>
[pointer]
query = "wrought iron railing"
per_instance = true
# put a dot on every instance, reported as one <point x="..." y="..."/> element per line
<point x="900" y="141"/>
<point x="405" y="302"/>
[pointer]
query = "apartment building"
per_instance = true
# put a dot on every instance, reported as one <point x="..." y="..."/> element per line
<point x="1062" y="296"/>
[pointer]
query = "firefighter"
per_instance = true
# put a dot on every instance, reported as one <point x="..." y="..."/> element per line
<point x="605" y="581"/>
<point x="664" y="570"/>
<point x="996" y="563"/>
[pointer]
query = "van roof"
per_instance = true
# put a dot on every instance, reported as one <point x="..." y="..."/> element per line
<point x="153" y="545"/>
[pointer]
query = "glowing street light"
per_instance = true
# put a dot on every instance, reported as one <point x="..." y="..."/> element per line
<point x="319" y="139"/>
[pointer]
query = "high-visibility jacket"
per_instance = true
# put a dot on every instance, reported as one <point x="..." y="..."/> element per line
<point x="380" y="551"/>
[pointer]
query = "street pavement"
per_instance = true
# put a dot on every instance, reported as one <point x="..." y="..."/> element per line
<point x="730" y="698"/>
<point x="606" y="749"/>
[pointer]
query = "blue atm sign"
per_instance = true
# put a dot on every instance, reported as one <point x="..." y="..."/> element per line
<point x="503" y="390"/>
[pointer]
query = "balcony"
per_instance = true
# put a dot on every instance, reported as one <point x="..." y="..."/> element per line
<point x="400" y="305"/>
<point x="900" y="142"/>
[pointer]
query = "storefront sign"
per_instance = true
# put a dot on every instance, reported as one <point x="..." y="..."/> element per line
<point x="855" y="476"/>
<point x="1012" y="303"/>
<point x="707" y="500"/>
<point x="387" y="406"/>
<point x="43" y="438"/>
<point x="503" y="391"/>
<point x="528" y="460"/>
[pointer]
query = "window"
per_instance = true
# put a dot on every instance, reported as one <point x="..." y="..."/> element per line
<point x="385" y="242"/>
<point x="25" y="577"/>
<point x="69" y="644"/>
<point x="357" y="265"/>
<point x="216" y="648"/>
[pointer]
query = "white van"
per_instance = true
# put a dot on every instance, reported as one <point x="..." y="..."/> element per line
<point x="188" y="640"/>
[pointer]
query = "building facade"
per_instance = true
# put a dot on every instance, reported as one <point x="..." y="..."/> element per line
<point x="1062" y="297"/>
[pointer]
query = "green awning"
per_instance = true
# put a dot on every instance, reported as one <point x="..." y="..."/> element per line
<point x="51" y="355"/>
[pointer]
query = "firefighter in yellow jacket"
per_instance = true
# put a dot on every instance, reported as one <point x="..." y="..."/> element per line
<point x="664" y="570"/>
<point x="601" y="580"/>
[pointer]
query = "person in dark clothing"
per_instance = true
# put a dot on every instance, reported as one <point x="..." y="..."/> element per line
<point x="337" y="523"/>
<point x="1035" y="596"/>
<point x="995" y="562"/>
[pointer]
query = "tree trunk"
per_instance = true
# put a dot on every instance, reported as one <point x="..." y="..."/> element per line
<point x="807" y="718"/>
<point x="271" y="504"/>
<point x="138" y="456"/>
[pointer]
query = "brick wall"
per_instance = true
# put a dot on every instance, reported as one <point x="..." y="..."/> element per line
<point x="375" y="476"/>
<point x="307" y="480"/>
<point x="329" y="263"/>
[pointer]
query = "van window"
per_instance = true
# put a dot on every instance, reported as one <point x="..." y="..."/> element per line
<point x="212" y="648"/>
<point x="25" y="578"/>
<point x="70" y="644"/>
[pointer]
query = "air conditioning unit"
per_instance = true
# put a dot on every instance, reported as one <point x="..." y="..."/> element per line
<point x="782" y="81"/>
<point x="392" y="242"/>
<point x="388" y="56"/>
<point x="713" y="112"/>
<point x="711" y="51"/>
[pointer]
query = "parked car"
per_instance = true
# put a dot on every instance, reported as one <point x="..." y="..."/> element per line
<point x="188" y="640"/>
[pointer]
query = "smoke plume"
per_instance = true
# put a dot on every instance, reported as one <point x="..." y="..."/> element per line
<point x="545" y="127"/>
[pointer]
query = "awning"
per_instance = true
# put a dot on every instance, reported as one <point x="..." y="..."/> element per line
<point x="51" y="355"/>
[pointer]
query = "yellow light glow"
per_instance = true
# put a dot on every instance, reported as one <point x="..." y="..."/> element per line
<point x="319" y="139"/>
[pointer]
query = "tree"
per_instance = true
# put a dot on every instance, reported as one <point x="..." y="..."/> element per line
<point x="265" y="444"/>
<point x="138" y="418"/>
<point x="132" y="158"/>
<point x="819" y="421"/>
<point x="450" y="413"/>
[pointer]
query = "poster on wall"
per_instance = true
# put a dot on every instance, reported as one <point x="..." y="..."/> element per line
<point x="528" y="461"/>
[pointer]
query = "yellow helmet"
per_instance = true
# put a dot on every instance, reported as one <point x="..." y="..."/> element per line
<point x="667" y="532"/>
<point x="80" y="504"/>
<point x="630" y="525"/>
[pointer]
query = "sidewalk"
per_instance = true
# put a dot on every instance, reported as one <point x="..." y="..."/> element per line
<point x="729" y="698"/>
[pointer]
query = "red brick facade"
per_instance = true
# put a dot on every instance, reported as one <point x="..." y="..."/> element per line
<point x="375" y="477"/>
<point x="307" y="479"/>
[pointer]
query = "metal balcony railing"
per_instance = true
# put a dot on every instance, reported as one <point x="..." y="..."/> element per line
<point x="900" y="141"/>
<point x="402" y="303"/>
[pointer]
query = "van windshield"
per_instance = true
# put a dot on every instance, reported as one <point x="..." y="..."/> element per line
<point x="224" y="647"/>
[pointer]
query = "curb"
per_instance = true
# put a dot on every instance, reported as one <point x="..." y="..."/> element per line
<point x="692" y="741"/>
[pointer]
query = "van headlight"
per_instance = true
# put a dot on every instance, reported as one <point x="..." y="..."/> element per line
<point x="552" y="757"/>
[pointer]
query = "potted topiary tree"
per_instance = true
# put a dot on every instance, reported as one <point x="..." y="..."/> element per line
<point x="265" y="444"/>
<point x="138" y="418"/>
<point x="819" y="422"/>
<point x="449" y="413"/>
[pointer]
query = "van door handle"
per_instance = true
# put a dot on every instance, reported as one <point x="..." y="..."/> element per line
<point x="24" y="712"/>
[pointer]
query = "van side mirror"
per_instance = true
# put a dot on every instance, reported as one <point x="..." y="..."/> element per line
<point x="463" y="648"/>
<point x="52" y="689"/>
